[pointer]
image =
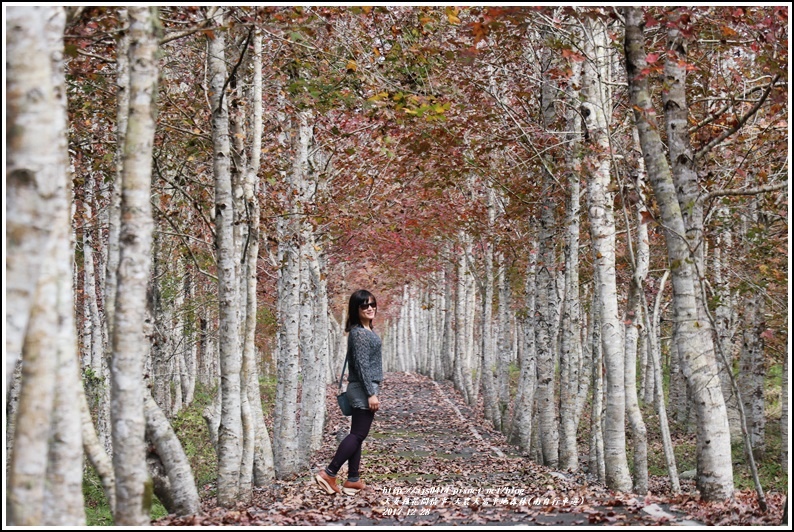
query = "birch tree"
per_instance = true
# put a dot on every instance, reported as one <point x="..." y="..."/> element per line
<point x="135" y="236"/>
<point x="489" y="365"/>
<point x="464" y="321"/>
<point x="570" y="320"/>
<point x="597" y="461"/>
<point x="715" y="475"/>
<point x="546" y="290"/>
<point x="636" y="310"/>
<point x="31" y="181"/>
<point x="520" y="432"/>
<point x="506" y="353"/>
<point x="602" y="231"/>
<point x="230" y="431"/>
<point x="263" y="452"/>
<point x="177" y="488"/>
<point x="287" y="460"/>
<point x="44" y="470"/>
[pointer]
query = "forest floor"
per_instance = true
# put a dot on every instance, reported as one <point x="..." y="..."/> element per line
<point x="430" y="459"/>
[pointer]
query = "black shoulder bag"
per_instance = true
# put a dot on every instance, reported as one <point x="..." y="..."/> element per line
<point x="341" y="397"/>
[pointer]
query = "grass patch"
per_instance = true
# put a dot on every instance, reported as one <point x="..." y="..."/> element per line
<point x="97" y="509"/>
<point x="267" y="391"/>
<point x="771" y="474"/>
<point x="395" y="435"/>
<point x="191" y="429"/>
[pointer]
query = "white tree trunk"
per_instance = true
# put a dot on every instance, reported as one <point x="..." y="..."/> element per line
<point x="63" y="498"/>
<point x="287" y="457"/>
<point x="182" y="486"/>
<point x="602" y="231"/>
<point x="752" y="370"/>
<point x="506" y="353"/>
<point x="546" y="298"/>
<point x="715" y="474"/>
<point x="570" y="329"/>
<point x="263" y="470"/>
<point x="312" y="416"/>
<point x="32" y="167"/>
<point x="129" y="343"/>
<point x="94" y="450"/>
<point x="28" y="467"/>
<point x="448" y="342"/>
<point x="159" y="352"/>
<point x="521" y="424"/>
<point x="45" y="468"/>
<point x="725" y="315"/>
<point x="188" y="351"/>
<point x="654" y="351"/>
<point x="634" y="320"/>
<point x="241" y="236"/>
<point x="464" y="322"/>
<point x="486" y="322"/>
<point x="597" y="462"/>
<point x="230" y="437"/>
<point x="114" y="188"/>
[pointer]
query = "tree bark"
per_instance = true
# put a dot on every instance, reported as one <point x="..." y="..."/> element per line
<point x="28" y="469"/>
<point x="31" y="168"/>
<point x="520" y="433"/>
<point x="570" y="330"/>
<point x="597" y="463"/>
<point x="635" y="332"/>
<point x="504" y="344"/>
<point x="602" y="230"/>
<point x="752" y="370"/>
<point x="546" y="319"/>
<point x="45" y="467"/>
<point x="486" y="321"/>
<point x="127" y="388"/>
<point x="287" y="457"/>
<point x="725" y="315"/>
<point x="263" y="451"/>
<point x="96" y="454"/>
<point x="114" y="189"/>
<point x="715" y="474"/>
<point x="181" y="484"/>
<point x="230" y="438"/>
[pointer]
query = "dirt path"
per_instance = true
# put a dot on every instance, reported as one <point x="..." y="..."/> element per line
<point x="429" y="460"/>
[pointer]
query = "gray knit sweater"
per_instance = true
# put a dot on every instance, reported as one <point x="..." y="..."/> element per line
<point x="364" y="357"/>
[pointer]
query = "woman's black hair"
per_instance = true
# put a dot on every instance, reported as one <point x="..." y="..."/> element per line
<point x="357" y="298"/>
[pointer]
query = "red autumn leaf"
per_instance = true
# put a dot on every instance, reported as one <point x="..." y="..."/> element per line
<point x="650" y="21"/>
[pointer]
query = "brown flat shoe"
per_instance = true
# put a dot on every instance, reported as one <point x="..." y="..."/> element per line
<point x="327" y="482"/>
<point x="351" y="488"/>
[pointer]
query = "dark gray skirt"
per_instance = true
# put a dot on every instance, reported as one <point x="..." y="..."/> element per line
<point x="357" y="395"/>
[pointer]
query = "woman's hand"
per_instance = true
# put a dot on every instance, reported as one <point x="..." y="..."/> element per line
<point x="374" y="403"/>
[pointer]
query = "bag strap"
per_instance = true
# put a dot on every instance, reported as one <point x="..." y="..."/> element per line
<point x="342" y="375"/>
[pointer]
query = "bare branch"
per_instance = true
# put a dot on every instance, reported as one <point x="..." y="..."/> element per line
<point x="740" y="123"/>
<point x="746" y="192"/>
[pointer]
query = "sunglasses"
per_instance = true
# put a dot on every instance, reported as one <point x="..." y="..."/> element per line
<point x="365" y="306"/>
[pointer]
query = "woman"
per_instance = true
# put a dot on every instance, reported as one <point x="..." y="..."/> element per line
<point x="366" y="373"/>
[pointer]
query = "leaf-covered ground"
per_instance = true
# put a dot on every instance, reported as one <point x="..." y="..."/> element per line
<point x="432" y="460"/>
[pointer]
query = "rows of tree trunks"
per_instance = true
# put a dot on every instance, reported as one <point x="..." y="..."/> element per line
<point x="572" y="213"/>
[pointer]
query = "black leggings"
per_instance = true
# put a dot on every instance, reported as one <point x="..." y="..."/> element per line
<point x="350" y="449"/>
